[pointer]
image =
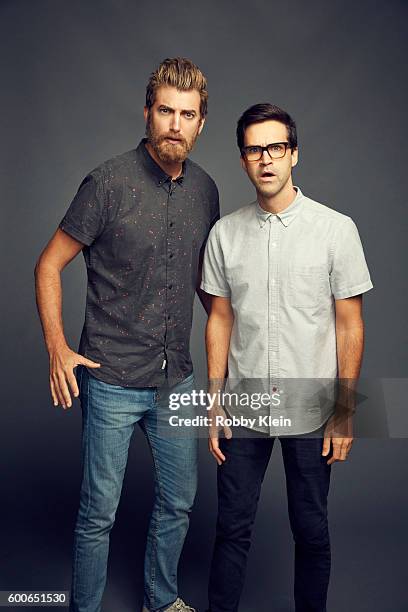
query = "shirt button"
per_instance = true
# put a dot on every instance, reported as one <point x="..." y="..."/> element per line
<point x="170" y="286"/>
<point x="171" y="224"/>
<point x="273" y="282"/>
<point x="273" y="244"/>
<point x="171" y="256"/>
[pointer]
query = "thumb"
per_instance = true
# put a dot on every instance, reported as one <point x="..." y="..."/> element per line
<point x="89" y="363"/>
<point x="227" y="432"/>
<point x="326" y="446"/>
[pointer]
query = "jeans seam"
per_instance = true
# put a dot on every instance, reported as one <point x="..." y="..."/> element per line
<point x="88" y="463"/>
<point x="156" y="526"/>
<point x="85" y="467"/>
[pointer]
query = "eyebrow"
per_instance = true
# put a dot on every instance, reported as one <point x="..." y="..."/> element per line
<point x="184" y="110"/>
<point x="267" y="145"/>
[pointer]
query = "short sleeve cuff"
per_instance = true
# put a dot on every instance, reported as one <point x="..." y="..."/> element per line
<point x="75" y="233"/>
<point x="352" y="291"/>
<point x="215" y="290"/>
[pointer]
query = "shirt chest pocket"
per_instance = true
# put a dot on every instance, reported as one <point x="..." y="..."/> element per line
<point x="306" y="285"/>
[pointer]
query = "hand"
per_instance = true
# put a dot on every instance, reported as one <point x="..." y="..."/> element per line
<point x="62" y="364"/>
<point x="214" y="429"/>
<point x="338" y="432"/>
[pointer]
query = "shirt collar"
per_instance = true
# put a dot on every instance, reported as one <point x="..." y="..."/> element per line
<point x="153" y="167"/>
<point x="286" y="216"/>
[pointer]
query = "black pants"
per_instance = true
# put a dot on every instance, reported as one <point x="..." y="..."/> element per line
<point x="239" y="486"/>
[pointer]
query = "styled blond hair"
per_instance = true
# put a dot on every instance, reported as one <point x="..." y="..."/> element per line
<point x="181" y="73"/>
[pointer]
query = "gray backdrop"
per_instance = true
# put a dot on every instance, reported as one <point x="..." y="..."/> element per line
<point x="73" y="84"/>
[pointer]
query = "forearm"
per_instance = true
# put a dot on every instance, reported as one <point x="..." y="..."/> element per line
<point x="49" y="303"/>
<point x="350" y="347"/>
<point x="218" y="335"/>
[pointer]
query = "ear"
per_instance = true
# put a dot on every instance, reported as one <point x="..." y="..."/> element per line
<point x="295" y="157"/>
<point x="145" y="113"/>
<point x="201" y="124"/>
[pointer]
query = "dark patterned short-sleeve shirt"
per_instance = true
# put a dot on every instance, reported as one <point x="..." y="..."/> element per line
<point x="142" y="233"/>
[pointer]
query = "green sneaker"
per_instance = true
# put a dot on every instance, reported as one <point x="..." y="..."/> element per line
<point x="177" y="606"/>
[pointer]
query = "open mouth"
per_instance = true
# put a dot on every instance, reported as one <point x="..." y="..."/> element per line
<point x="267" y="175"/>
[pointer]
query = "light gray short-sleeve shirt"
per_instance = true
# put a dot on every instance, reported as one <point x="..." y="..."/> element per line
<point x="283" y="273"/>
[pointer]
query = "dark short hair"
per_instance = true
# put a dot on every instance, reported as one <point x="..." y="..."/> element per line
<point x="265" y="112"/>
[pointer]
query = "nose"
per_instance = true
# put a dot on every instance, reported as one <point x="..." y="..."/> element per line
<point x="175" y="122"/>
<point x="266" y="159"/>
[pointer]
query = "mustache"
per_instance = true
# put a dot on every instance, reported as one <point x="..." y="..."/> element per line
<point x="163" y="137"/>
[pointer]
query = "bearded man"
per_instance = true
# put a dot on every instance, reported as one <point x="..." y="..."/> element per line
<point x="141" y="220"/>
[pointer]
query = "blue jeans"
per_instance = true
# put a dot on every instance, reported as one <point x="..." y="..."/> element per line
<point x="109" y="413"/>
<point x="239" y="487"/>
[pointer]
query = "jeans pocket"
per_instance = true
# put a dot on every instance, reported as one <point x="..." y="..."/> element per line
<point x="79" y="375"/>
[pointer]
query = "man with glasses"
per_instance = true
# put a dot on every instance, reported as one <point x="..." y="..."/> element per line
<point x="287" y="276"/>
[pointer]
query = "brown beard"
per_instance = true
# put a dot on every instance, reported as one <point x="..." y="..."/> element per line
<point x="167" y="152"/>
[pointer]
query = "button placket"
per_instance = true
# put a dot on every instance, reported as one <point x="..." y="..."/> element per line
<point x="168" y="282"/>
<point x="273" y="309"/>
<point x="171" y="265"/>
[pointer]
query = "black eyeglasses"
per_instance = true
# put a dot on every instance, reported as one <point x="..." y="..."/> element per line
<point x="276" y="150"/>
